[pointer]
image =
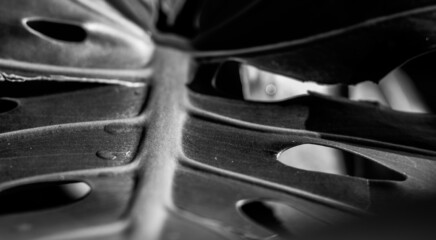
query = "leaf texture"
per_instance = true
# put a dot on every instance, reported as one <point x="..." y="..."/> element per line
<point x="167" y="144"/>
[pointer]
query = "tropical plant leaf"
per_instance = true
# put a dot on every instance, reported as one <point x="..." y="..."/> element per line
<point x="105" y="135"/>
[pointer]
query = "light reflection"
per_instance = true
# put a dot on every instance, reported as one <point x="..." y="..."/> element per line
<point x="396" y="91"/>
<point x="259" y="85"/>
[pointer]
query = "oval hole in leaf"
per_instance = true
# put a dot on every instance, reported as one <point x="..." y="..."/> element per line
<point x="57" y="30"/>
<point x="286" y="220"/>
<point x="41" y="196"/>
<point x="260" y="85"/>
<point x="271" y="215"/>
<point x="398" y="91"/>
<point x="318" y="158"/>
<point x="7" y="105"/>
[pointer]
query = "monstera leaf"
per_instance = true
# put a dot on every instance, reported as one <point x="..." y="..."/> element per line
<point x="107" y="133"/>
